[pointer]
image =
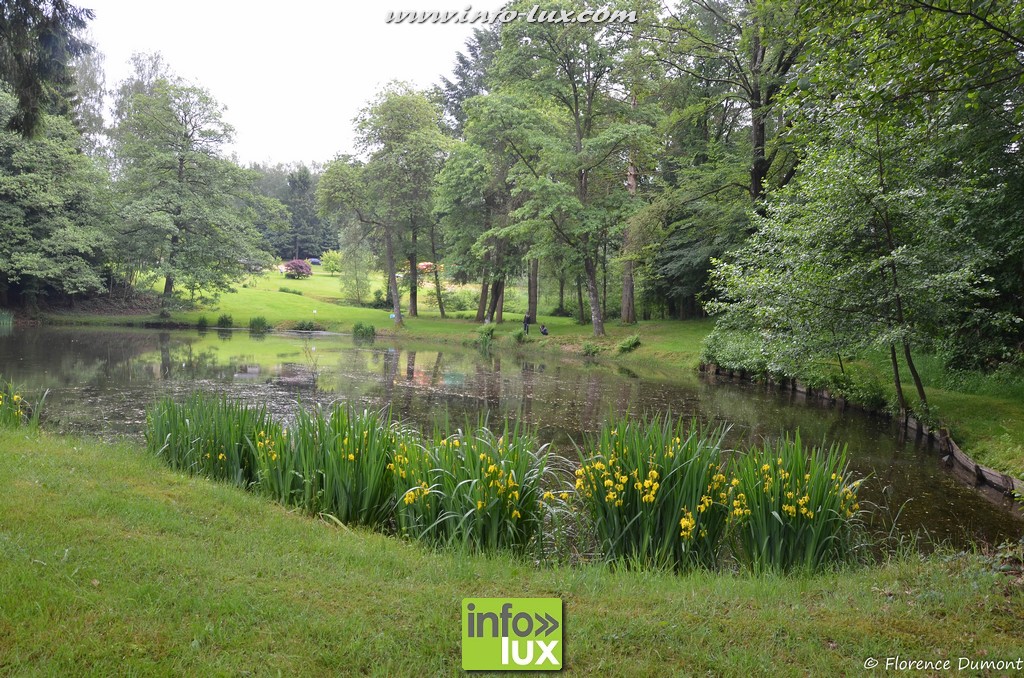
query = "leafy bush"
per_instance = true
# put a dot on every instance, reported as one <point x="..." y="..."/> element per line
<point x="297" y="269"/>
<point x="459" y="300"/>
<point x="734" y="350"/>
<point x="590" y="349"/>
<point x="520" y="337"/>
<point x="289" y="290"/>
<point x="361" y="332"/>
<point x="258" y="324"/>
<point x="656" y="492"/>
<point x="225" y="320"/>
<point x="794" y="507"/>
<point x="630" y="343"/>
<point x="202" y="323"/>
<point x="381" y="300"/>
<point x="308" y="326"/>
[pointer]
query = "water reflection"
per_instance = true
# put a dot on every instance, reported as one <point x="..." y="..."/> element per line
<point x="101" y="381"/>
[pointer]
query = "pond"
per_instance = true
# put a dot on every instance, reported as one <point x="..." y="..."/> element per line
<point x="100" y="382"/>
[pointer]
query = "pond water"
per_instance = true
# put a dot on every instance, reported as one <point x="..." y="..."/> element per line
<point x="100" y="382"/>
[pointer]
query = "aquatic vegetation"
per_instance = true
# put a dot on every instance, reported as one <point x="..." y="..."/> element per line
<point x="330" y="462"/>
<point x="207" y="435"/>
<point x="15" y="410"/>
<point x="478" y="488"/>
<point x="657" y="492"/>
<point x="258" y="324"/>
<point x="794" y="507"/>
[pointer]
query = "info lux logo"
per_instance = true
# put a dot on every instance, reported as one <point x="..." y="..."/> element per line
<point x="504" y="634"/>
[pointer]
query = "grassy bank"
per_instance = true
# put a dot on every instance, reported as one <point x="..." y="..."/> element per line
<point x="663" y="343"/>
<point x="111" y="563"/>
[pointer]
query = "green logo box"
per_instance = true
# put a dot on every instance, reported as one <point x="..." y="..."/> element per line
<point x="512" y="634"/>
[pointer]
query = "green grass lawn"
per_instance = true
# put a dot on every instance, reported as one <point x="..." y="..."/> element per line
<point x="112" y="564"/>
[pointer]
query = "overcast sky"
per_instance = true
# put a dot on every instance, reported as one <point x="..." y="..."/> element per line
<point x="292" y="74"/>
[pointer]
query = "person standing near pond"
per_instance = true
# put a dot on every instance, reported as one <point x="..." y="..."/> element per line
<point x="526" y="323"/>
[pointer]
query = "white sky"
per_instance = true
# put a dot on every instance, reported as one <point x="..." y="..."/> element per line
<point x="292" y="74"/>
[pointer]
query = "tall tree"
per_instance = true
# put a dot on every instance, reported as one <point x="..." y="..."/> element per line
<point x="38" y="41"/>
<point x="555" y="112"/>
<point x="54" y="212"/>
<point x="184" y="206"/>
<point x="864" y="251"/>
<point x="390" y="194"/>
<point x="743" y="51"/>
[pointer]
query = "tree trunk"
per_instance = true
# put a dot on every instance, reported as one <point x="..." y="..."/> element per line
<point x="413" y="279"/>
<point x="534" y="279"/>
<point x="628" y="314"/>
<point x="495" y="293"/>
<point x="437" y="272"/>
<point x="596" y="319"/>
<point x="501" y="303"/>
<point x="900" y="400"/>
<point x="604" y="281"/>
<point x="561" y="293"/>
<point x="481" y="308"/>
<point x="169" y="280"/>
<point x="913" y="373"/>
<point x="389" y="255"/>
<point x="579" y="299"/>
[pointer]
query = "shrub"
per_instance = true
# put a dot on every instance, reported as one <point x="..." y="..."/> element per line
<point x="225" y="320"/>
<point x="258" y="324"/>
<point x="381" y="300"/>
<point x="656" y="492"/>
<point x="202" y="323"/>
<point x="520" y="337"/>
<point x="361" y="332"/>
<point x="289" y="290"/>
<point x="460" y="300"/>
<point x="794" y="507"/>
<point x="308" y="326"/>
<point x="590" y="349"/>
<point x="630" y="343"/>
<point x="297" y="269"/>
